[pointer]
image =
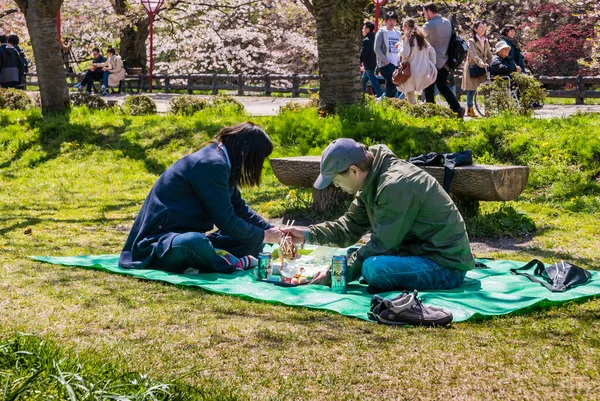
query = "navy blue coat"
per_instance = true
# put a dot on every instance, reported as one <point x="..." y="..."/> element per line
<point x="502" y="66"/>
<point x="193" y="195"/>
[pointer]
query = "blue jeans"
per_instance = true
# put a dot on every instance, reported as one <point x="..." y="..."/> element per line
<point x="105" y="79"/>
<point x="369" y="75"/>
<point x="387" y="72"/>
<point x="389" y="273"/>
<point x="196" y="250"/>
<point x="470" y="96"/>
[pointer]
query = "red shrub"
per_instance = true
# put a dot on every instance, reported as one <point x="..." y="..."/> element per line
<point x="557" y="52"/>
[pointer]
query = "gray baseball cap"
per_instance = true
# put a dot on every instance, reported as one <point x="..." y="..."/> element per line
<point x="337" y="157"/>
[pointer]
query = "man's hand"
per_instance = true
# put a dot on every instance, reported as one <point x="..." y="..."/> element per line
<point x="297" y="233"/>
<point x="519" y="69"/>
<point x="272" y="235"/>
<point x="320" y="278"/>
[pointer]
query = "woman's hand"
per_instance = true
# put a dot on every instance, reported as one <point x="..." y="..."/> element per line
<point x="483" y="65"/>
<point x="297" y="233"/>
<point x="273" y="235"/>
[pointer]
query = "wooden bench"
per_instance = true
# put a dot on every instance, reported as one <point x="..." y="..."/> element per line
<point x="470" y="184"/>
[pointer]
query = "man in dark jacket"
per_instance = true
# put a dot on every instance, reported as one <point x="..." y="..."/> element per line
<point x="418" y="237"/>
<point x="502" y="63"/>
<point x="94" y="73"/>
<point x="369" y="59"/>
<point x="11" y="65"/>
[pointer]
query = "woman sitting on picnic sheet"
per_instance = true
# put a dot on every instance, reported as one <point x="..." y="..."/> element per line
<point x="197" y="193"/>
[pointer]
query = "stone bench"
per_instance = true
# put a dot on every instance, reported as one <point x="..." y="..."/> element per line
<point x="470" y="184"/>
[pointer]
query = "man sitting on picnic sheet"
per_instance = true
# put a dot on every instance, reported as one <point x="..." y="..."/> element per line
<point x="418" y="237"/>
<point x="197" y="193"/>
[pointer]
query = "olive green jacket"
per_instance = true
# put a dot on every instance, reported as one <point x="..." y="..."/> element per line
<point x="407" y="212"/>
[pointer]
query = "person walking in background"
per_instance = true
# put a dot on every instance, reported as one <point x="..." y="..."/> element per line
<point x="11" y="65"/>
<point x="509" y="33"/>
<point x="414" y="49"/>
<point x="476" y="66"/>
<point x="369" y="59"/>
<point x="13" y="40"/>
<point x="387" y="52"/>
<point x="438" y="32"/>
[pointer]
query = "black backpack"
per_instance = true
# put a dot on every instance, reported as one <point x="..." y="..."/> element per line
<point x="457" y="50"/>
<point x="448" y="160"/>
<point x="558" y="277"/>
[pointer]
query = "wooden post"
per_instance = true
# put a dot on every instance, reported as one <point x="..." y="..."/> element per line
<point x="295" y="86"/>
<point x="215" y="91"/>
<point x="579" y="90"/>
<point x="240" y="85"/>
<point x="267" y="85"/>
<point x="188" y="87"/>
<point x="167" y="84"/>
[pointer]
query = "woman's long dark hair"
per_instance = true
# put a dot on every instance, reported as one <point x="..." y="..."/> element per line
<point x="474" y="27"/>
<point x="415" y="33"/>
<point x="247" y="147"/>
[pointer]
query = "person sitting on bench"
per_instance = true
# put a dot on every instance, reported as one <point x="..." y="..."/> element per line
<point x="113" y="71"/>
<point x="95" y="73"/>
<point x="418" y="237"/>
<point x="197" y="193"/>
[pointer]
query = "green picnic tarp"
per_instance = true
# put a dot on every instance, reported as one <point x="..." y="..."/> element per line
<point x="486" y="292"/>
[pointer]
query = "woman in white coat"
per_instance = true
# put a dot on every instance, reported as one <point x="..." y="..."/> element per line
<point x="114" y="72"/>
<point x="418" y="52"/>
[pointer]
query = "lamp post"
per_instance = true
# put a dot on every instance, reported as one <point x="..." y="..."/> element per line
<point x="378" y="4"/>
<point x="152" y="7"/>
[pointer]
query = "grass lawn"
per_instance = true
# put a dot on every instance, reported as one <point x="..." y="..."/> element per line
<point x="73" y="186"/>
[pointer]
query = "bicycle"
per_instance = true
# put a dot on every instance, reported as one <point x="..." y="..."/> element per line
<point x="489" y="102"/>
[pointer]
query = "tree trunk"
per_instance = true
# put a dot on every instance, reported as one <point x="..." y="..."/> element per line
<point x="331" y="199"/>
<point x="338" y="41"/>
<point x="133" y="37"/>
<point x="40" y="16"/>
<point x="133" y="44"/>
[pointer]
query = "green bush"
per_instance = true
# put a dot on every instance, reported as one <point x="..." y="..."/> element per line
<point x="139" y="105"/>
<point x="186" y="105"/>
<point x="14" y="99"/>
<point x="424" y="110"/>
<point x="220" y="101"/>
<point x="497" y="97"/>
<point x="90" y="101"/>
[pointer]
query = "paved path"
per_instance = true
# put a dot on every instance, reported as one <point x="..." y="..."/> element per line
<point x="255" y="105"/>
<point x="269" y="106"/>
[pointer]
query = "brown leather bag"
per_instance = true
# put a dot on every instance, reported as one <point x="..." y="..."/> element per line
<point x="401" y="74"/>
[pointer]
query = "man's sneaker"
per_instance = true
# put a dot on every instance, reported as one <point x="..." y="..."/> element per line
<point x="407" y="309"/>
<point x="78" y="87"/>
<point x="461" y="112"/>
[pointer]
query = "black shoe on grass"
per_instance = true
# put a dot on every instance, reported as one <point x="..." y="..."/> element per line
<point x="407" y="309"/>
